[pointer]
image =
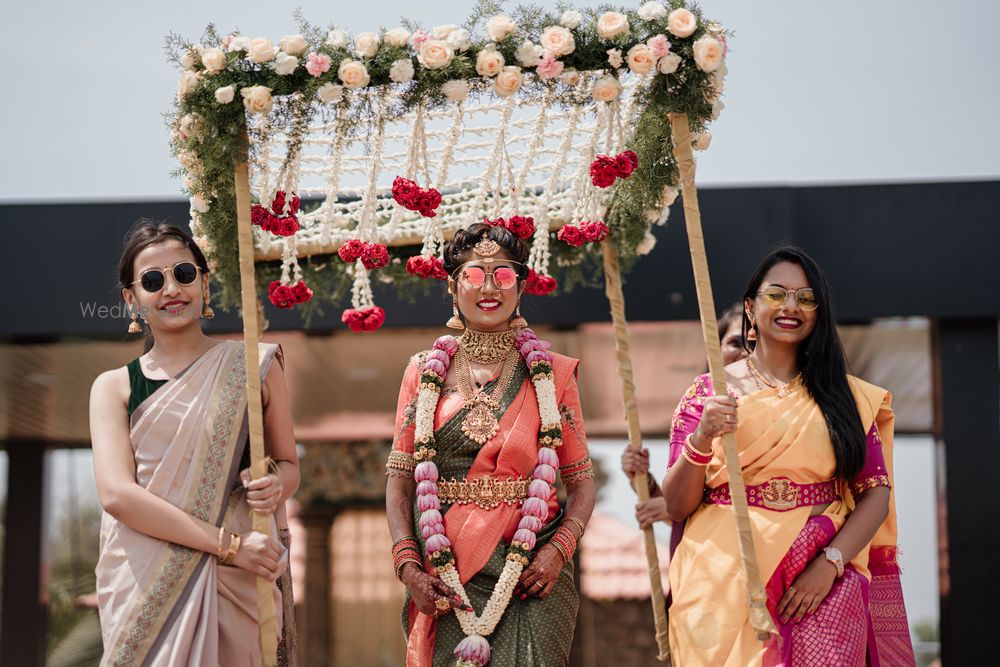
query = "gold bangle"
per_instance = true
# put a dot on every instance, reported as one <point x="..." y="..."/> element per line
<point x="399" y="568"/>
<point x="222" y="532"/>
<point x="561" y="549"/>
<point x="234" y="548"/>
<point x="583" y="526"/>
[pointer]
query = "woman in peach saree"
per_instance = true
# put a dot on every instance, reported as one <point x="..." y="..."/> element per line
<point x="816" y="452"/>
<point x="176" y="578"/>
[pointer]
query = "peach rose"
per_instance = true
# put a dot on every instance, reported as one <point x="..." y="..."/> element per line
<point x="435" y="54"/>
<point x="353" y="74"/>
<point x="214" y="60"/>
<point x="611" y="25"/>
<point x="508" y="81"/>
<point x="570" y="77"/>
<point x="187" y="85"/>
<point x="294" y="45"/>
<point x="681" y="23"/>
<point x="607" y="88"/>
<point x="225" y="94"/>
<point x="640" y="59"/>
<point x="398" y="37"/>
<point x="257" y="99"/>
<point x="499" y="26"/>
<point x="489" y="62"/>
<point x="708" y="53"/>
<point x="669" y="63"/>
<point x="366" y="44"/>
<point x="557" y="40"/>
<point x="261" y="50"/>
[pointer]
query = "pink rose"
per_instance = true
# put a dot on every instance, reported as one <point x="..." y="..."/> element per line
<point x="658" y="45"/>
<point x="418" y="38"/>
<point x="548" y="67"/>
<point x="318" y="63"/>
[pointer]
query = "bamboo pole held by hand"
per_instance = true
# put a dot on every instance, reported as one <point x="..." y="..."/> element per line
<point x="760" y="618"/>
<point x="251" y="336"/>
<point x="613" y="290"/>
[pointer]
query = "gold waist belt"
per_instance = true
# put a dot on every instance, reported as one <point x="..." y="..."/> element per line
<point x="485" y="492"/>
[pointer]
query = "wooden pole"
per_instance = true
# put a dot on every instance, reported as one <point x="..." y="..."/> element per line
<point x="760" y="618"/>
<point x="251" y="337"/>
<point x="613" y="290"/>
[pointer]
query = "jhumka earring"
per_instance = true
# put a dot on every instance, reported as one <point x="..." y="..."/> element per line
<point x="518" y="322"/>
<point x="752" y="331"/>
<point x="455" y="322"/>
<point x="207" y="312"/>
<point x="134" y="327"/>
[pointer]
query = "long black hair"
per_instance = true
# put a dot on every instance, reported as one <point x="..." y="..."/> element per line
<point x="143" y="234"/>
<point x="822" y="361"/>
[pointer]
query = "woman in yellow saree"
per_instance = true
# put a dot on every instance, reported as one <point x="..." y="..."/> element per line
<point x="816" y="452"/>
<point x="178" y="560"/>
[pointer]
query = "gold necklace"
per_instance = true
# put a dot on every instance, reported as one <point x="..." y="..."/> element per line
<point x="758" y="377"/>
<point x="480" y="425"/>
<point x="486" y="348"/>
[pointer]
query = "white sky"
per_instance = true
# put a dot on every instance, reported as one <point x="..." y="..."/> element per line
<point x="818" y="92"/>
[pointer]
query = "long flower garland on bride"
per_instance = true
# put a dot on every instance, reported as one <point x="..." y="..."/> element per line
<point x="474" y="649"/>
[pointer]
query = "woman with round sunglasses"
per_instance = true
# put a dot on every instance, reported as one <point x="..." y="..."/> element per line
<point x="484" y="422"/>
<point x="176" y="578"/>
<point x="816" y="452"/>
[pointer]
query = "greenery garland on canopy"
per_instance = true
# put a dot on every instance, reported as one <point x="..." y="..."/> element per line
<point x="234" y="87"/>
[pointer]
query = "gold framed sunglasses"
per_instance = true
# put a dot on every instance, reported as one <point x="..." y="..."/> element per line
<point x="775" y="297"/>
<point x="153" y="280"/>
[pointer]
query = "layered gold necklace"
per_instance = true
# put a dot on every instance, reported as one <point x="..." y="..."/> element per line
<point x="758" y="377"/>
<point x="486" y="348"/>
<point x="481" y="424"/>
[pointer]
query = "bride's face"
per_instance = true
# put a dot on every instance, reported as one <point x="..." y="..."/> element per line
<point x="488" y="291"/>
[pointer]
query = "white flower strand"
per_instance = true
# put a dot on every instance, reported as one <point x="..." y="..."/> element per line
<point x="367" y="225"/>
<point x="493" y="161"/>
<point x="361" y="288"/>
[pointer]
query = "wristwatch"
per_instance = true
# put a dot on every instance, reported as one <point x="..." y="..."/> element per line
<point x="834" y="556"/>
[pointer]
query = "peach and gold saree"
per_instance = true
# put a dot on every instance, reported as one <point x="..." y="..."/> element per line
<point x="162" y="603"/>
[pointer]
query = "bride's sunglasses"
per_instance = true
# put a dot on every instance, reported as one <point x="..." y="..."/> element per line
<point x="152" y="280"/>
<point x="775" y="297"/>
<point x="474" y="277"/>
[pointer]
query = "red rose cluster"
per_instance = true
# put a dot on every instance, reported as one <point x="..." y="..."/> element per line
<point x="363" y="319"/>
<point x="412" y="197"/>
<point x="539" y="285"/>
<point x="605" y="169"/>
<point x="275" y="220"/>
<point x="426" y="267"/>
<point x="372" y="255"/>
<point x="585" y="232"/>
<point x="521" y="226"/>
<point x="286" y="296"/>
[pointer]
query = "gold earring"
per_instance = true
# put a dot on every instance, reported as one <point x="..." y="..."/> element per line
<point x="752" y="331"/>
<point x="206" y="311"/>
<point x="518" y="322"/>
<point x="455" y="322"/>
<point x="134" y="327"/>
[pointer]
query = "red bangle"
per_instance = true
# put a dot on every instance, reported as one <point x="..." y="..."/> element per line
<point x="693" y="455"/>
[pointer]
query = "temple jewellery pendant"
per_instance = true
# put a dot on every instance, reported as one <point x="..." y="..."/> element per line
<point x="480" y="425"/>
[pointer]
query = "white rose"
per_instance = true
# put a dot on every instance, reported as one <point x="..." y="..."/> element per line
<point x="337" y="39"/>
<point x="187" y="85"/>
<point x="239" y="43"/>
<point x="702" y="141"/>
<point x="508" y="81"/>
<point x="607" y="88"/>
<point x="681" y="23"/>
<point x="669" y="63"/>
<point x="353" y="74"/>
<point x="489" y="61"/>
<point x="529" y="53"/>
<point x="198" y="204"/>
<point x="214" y="60"/>
<point x="330" y="92"/>
<point x="435" y="54"/>
<point x="570" y="19"/>
<point x="570" y="77"/>
<point x="401" y="71"/>
<point x="366" y="44"/>
<point x="398" y="37"/>
<point x="557" y="40"/>
<point x="652" y="11"/>
<point x="640" y="59"/>
<point x="648" y="241"/>
<point x="708" y="53"/>
<point x="294" y="45"/>
<point x="611" y="25"/>
<point x="285" y="64"/>
<point x="459" y="40"/>
<point x="257" y="99"/>
<point x="456" y="90"/>
<point x="615" y="58"/>
<point x="225" y="94"/>
<point x="442" y="31"/>
<point x="190" y="59"/>
<point x="499" y="26"/>
<point x="261" y="50"/>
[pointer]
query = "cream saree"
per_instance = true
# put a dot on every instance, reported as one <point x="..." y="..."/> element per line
<point x="161" y="603"/>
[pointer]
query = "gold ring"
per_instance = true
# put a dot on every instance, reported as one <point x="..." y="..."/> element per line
<point x="442" y="604"/>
